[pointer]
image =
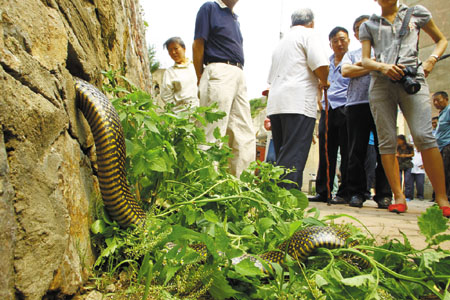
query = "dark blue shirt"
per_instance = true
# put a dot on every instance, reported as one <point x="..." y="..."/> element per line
<point x="220" y="29"/>
<point x="337" y="92"/>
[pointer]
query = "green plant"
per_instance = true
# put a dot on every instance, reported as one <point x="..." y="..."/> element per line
<point x="257" y="105"/>
<point x="191" y="198"/>
<point x="154" y="63"/>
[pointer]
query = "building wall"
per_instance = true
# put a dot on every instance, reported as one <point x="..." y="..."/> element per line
<point x="439" y="80"/>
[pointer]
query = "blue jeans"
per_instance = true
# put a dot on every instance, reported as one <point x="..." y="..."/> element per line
<point x="408" y="184"/>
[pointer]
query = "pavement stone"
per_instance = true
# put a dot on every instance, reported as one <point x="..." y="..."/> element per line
<point x="382" y="223"/>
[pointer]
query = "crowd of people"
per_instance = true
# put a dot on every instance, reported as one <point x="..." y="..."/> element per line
<point x="358" y="94"/>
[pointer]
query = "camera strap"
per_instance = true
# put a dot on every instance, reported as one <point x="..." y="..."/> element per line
<point x="403" y="30"/>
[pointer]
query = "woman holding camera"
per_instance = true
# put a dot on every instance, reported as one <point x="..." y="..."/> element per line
<point x="396" y="75"/>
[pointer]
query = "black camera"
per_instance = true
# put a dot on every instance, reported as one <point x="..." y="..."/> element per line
<point x="408" y="81"/>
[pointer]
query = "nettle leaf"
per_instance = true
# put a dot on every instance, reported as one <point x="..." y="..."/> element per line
<point x="98" y="227"/>
<point x="429" y="258"/>
<point x="247" y="230"/>
<point x="359" y="281"/>
<point x="264" y="224"/>
<point x="222" y="240"/>
<point x="182" y="233"/>
<point x="247" y="268"/>
<point x="156" y="161"/>
<point x="211" y="216"/>
<point x="440" y="239"/>
<point x="432" y="222"/>
<point x="302" y="199"/>
<point x="220" y="288"/>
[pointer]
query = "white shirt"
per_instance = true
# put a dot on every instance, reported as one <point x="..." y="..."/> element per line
<point x="294" y="87"/>
<point x="179" y="86"/>
<point x="417" y="161"/>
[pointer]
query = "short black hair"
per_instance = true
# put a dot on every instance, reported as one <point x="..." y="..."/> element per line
<point x="174" y="39"/>
<point x="359" y="19"/>
<point x="435" y="118"/>
<point x="442" y="94"/>
<point x="335" y="31"/>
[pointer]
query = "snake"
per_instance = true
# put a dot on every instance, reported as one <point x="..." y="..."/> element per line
<point x="122" y="207"/>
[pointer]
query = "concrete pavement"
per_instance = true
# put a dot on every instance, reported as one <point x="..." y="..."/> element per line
<point x="381" y="222"/>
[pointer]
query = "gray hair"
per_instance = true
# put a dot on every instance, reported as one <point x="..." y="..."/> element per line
<point x="174" y="39"/>
<point x="303" y="16"/>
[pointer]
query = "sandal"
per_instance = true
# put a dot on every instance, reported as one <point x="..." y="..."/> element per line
<point x="400" y="208"/>
<point x="445" y="211"/>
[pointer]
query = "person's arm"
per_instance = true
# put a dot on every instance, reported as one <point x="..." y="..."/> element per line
<point x="441" y="44"/>
<point x="355" y="70"/>
<point x="198" y="49"/>
<point x="322" y="74"/>
<point x="394" y="72"/>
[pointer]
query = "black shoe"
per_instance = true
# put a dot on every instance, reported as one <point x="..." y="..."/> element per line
<point x="317" y="198"/>
<point x="383" y="202"/>
<point x="367" y="196"/>
<point x="338" y="200"/>
<point x="357" y="201"/>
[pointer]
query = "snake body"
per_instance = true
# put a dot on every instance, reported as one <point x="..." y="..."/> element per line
<point x="122" y="206"/>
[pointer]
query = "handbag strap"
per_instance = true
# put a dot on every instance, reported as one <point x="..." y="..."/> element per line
<point x="403" y="30"/>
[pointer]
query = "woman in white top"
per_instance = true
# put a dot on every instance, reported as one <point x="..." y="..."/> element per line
<point x="179" y="85"/>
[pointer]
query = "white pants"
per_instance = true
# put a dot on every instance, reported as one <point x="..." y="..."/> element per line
<point x="225" y="84"/>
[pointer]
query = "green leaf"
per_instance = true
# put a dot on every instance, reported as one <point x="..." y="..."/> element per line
<point x="430" y="257"/>
<point x="359" y="281"/>
<point x="211" y="216"/>
<point x="247" y="268"/>
<point x="440" y="239"/>
<point x="302" y="199"/>
<point x="432" y="222"/>
<point x="98" y="227"/>
<point x="247" y="230"/>
<point x="294" y="226"/>
<point x="264" y="224"/>
<point x="182" y="233"/>
<point x="220" y="289"/>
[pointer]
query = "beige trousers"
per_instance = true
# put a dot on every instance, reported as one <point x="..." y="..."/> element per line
<point x="225" y="84"/>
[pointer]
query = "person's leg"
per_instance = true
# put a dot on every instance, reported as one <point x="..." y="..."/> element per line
<point x="341" y="124"/>
<point x="358" y="141"/>
<point x="370" y="165"/>
<point x="219" y="85"/>
<point x="409" y="185"/>
<point x="321" y="179"/>
<point x="446" y="160"/>
<point x="420" y="181"/>
<point x="383" y="104"/>
<point x="298" y="130"/>
<point x="240" y="126"/>
<point x="417" y="112"/>
<point x="277" y="133"/>
<point x="383" y="192"/>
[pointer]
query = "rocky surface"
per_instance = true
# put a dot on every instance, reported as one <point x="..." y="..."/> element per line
<point x="48" y="189"/>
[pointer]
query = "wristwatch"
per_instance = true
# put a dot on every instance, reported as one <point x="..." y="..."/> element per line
<point x="435" y="56"/>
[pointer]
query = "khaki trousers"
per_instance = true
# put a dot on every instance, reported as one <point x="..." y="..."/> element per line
<point x="225" y="84"/>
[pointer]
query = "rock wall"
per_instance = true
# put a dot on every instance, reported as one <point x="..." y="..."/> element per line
<point x="48" y="188"/>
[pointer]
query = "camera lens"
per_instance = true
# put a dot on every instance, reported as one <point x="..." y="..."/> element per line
<point x="410" y="85"/>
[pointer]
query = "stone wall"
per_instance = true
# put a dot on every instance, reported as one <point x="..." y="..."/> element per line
<point x="48" y="188"/>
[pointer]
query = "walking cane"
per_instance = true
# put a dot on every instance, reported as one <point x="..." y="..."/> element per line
<point x="326" y="146"/>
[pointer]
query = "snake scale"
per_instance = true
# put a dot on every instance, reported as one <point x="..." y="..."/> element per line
<point x="122" y="206"/>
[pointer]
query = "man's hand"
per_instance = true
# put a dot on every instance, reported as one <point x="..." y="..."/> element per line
<point x="394" y="72"/>
<point x="267" y="124"/>
<point x="324" y="85"/>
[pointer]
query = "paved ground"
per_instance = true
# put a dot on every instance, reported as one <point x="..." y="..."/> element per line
<point x="383" y="223"/>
